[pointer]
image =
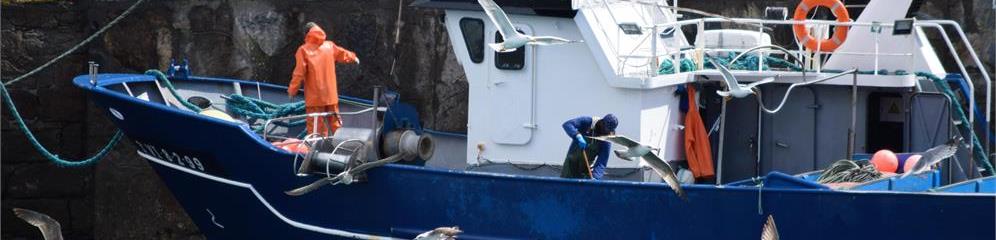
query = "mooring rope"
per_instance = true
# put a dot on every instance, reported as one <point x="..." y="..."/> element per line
<point x="24" y="127"/>
<point x="79" y="45"/>
<point x="44" y="151"/>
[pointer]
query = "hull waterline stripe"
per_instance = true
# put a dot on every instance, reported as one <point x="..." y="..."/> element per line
<point x="296" y="224"/>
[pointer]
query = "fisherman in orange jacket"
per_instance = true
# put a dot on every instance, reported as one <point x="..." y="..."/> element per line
<point x="315" y="66"/>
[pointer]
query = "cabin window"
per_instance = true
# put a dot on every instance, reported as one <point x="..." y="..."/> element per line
<point x="511" y="60"/>
<point x="473" y="36"/>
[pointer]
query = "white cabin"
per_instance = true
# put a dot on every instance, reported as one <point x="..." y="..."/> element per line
<point x="518" y="101"/>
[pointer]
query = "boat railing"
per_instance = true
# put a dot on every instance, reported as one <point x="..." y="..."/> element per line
<point x="818" y="58"/>
<point x="650" y="62"/>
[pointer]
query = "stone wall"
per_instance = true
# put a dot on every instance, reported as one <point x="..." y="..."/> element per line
<point x="121" y="197"/>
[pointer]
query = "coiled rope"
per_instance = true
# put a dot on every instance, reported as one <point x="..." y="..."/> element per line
<point x="849" y="171"/>
<point x="31" y="136"/>
<point x="240" y="105"/>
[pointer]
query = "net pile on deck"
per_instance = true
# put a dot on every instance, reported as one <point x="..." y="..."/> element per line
<point x="848" y="171"/>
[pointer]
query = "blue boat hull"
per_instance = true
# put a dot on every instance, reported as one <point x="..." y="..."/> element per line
<point x="232" y="185"/>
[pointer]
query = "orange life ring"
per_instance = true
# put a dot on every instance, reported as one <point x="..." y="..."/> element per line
<point x="839" y="34"/>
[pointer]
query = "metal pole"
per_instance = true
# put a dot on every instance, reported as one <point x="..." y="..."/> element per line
<point x="373" y="120"/>
<point x="989" y="145"/>
<point x="757" y="144"/>
<point x="93" y="72"/>
<point x="722" y="134"/>
<point x="760" y="57"/>
<point x="876" y="55"/>
<point x="653" y="54"/>
<point x="854" y="117"/>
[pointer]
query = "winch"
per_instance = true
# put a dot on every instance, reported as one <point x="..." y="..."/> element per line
<point x="393" y="130"/>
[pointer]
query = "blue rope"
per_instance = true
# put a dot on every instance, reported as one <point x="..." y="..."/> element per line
<point x="24" y="127"/>
<point x="748" y="62"/>
<point x="259" y="109"/>
<point x="79" y="45"/>
<point x="172" y="90"/>
<point x="980" y="155"/>
<point x="45" y="152"/>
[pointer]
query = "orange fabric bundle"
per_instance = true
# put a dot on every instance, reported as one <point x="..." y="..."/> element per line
<point x="698" y="151"/>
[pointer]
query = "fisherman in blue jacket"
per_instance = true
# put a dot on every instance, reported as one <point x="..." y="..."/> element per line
<point x="576" y="164"/>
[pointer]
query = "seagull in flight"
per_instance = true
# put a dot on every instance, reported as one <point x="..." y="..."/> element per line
<point x="933" y="156"/>
<point x="770" y="230"/>
<point x="635" y="150"/>
<point x="50" y="229"/>
<point x="440" y="233"/>
<point x="513" y="38"/>
<point x="736" y="89"/>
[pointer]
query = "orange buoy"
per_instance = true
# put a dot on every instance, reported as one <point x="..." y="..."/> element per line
<point x="911" y="161"/>
<point x="885" y="161"/>
<point x="839" y="34"/>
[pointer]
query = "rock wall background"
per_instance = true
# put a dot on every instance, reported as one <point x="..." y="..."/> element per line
<point x="121" y="198"/>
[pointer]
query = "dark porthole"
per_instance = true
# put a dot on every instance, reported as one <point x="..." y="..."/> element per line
<point x="473" y="36"/>
<point x="511" y="60"/>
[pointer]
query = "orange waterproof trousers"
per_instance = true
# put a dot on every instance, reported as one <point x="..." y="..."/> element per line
<point x="320" y="124"/>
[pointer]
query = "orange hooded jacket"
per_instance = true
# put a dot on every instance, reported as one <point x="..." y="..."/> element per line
<point x="697" y="147"/>
<point x="315" y="66"/>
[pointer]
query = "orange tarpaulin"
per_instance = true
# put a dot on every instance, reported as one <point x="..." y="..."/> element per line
<point x="698" y="151"/>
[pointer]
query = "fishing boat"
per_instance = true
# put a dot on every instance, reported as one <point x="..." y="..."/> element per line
<point x="882" y="86"/>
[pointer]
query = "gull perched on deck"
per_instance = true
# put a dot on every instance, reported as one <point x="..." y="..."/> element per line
<point x="736" y="89"/>
<point x="514" y="39"/>
<point x="933" y="156"/>
<point x="50" y="229"/>
<point x="636" y="150"/>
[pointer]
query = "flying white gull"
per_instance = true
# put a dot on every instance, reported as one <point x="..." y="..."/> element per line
<point x="736" y="89"/>
<point x="440" y="233"/>
<point x="770" y="230"/>
<point x="50" y="229"/>
<point x="636" y="150"/>
<point x="933" y="156"/>
<point x="514" y="39"/>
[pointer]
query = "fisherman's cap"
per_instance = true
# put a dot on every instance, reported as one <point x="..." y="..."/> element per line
<point x="610" y="121"/>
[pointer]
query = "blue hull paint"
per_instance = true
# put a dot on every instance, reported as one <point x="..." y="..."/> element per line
<point x="243" y="180"/>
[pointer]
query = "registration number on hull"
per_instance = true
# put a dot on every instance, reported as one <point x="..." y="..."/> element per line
<point x="173" y="157"/>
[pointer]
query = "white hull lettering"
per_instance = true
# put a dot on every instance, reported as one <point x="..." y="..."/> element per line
<point x="172" y="157"/>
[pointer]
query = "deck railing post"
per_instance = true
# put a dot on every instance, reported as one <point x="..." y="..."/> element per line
<point x="876" y="54"/>
<point x="653" y="52"/>
<point x="93" y="72"/>
<point x="760" y="57"/>
<point x="854" y="116"/>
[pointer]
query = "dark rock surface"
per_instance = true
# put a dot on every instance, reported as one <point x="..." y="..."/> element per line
<point x="121" y="197"/>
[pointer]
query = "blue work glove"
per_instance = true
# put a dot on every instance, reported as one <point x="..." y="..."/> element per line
<point x="581" y="142"/>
